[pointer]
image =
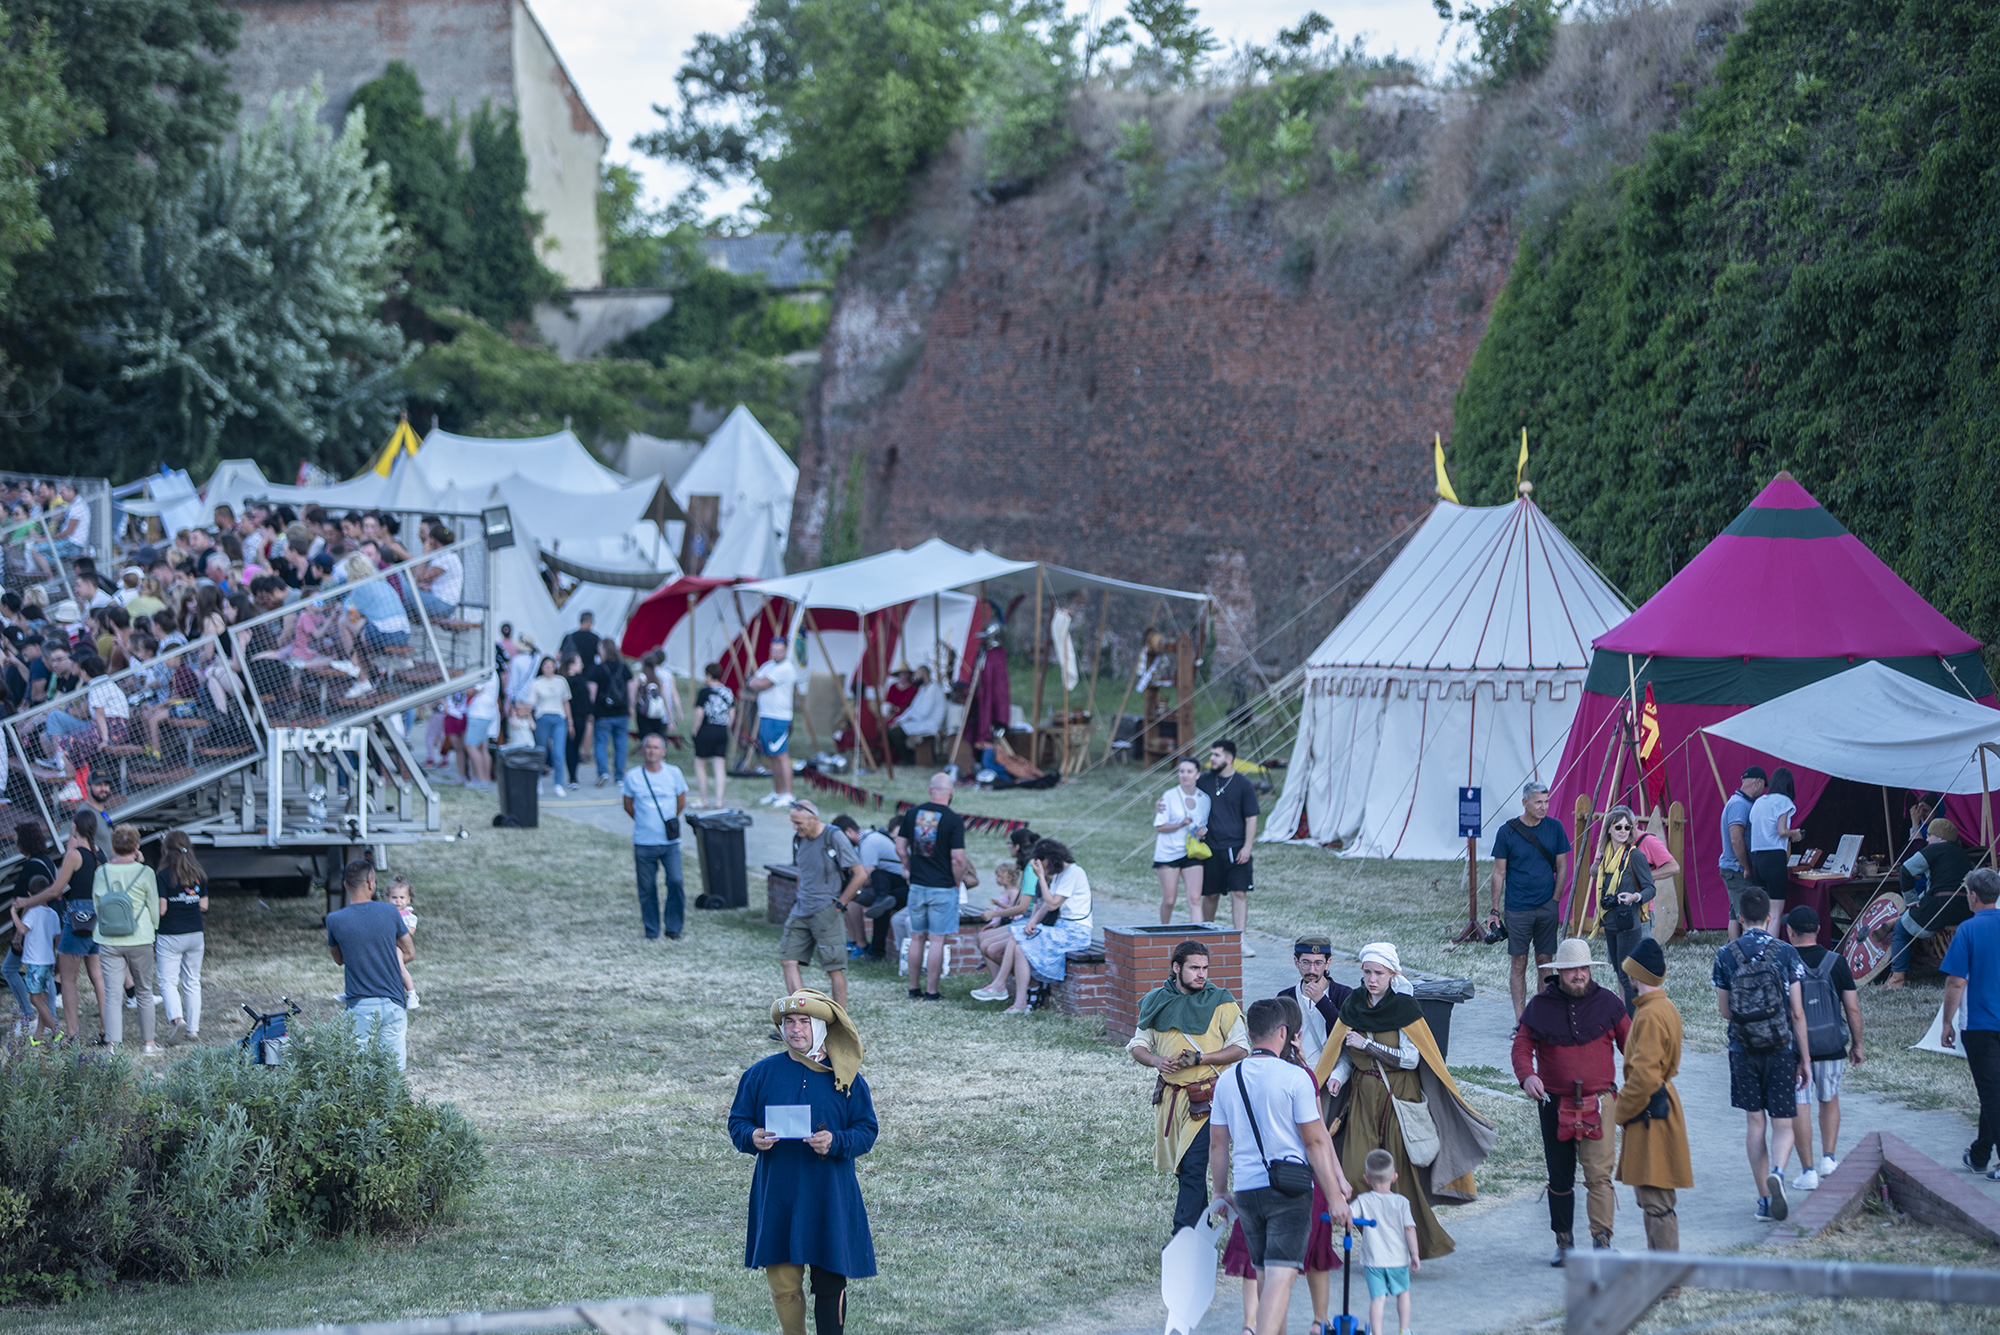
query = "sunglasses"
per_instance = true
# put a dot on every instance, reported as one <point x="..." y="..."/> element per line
<point x="1621" y="825"/>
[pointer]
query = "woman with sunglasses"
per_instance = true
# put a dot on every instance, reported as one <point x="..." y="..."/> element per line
<point x="1624" y="888"/>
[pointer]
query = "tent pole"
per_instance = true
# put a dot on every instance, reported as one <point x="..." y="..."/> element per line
<point x="1985" y="806"/>
<point x="881" y="688"/>
<point x="1063" y="768"/>
<point x="1471" y="931"/>
<point x="965" y="719"/>
<point x="846" y="701"/>
<point x="692" y="676"/>
<point x="1118" y="719"/>
<point x="1888" y="824"/>
<point x="1041" y="669"/>
<point x="1722" y="790"/>
<point x="1096" y="657"/>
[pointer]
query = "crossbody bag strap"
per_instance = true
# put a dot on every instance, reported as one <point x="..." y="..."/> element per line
<point x="657" y="809"/>
<point x="1244" y="1090"/>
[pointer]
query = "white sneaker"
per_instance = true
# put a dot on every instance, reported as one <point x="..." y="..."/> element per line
<point x="358" y="690"/>
<point x="1250" y="950"/>
<point x="342" y="665"/>
<point x="559" y="790"/>
<point x="990" y="993"/>
<point x="1828" y="1165"/>
<point x="1806" y="1181"/>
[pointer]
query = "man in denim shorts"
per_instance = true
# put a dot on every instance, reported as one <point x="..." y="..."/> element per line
<point x="931" y="840"/>
<point x="1531" y="859"/>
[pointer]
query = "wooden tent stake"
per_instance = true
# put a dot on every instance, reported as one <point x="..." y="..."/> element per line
<point x="1041" y="667"/>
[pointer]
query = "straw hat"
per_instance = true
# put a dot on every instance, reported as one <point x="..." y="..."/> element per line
<point x="1573" y="953"/>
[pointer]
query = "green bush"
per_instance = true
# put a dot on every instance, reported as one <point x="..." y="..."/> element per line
<point x="107" y="1173"/>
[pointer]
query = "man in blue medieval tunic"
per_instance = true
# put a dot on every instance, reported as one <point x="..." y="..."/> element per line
<point x="805" y="1113"/>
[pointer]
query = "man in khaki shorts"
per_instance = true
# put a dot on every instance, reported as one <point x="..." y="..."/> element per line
<point x="820" y="854"/>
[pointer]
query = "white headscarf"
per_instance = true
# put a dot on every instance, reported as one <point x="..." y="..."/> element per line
<point x="1384" y="954"/>
<point x="818" y="1052"/>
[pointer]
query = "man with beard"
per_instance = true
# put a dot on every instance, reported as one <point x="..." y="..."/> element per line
<point x="1189" y="1029"/>
<point x="1317" y="995"/>
<point x="1564" y="1059"/>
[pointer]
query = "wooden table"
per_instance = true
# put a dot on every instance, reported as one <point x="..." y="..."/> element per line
<point x="1830" y="893"/>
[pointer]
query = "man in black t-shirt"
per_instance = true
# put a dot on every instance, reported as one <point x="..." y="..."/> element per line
<point x="1825" y="969"/>
<point x="582" y="641"/>
<point x="931" y="841"/>
<point x="611" y="710"/>
<point x="1232" y="828"/>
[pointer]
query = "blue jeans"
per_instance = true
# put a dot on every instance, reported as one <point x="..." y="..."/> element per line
<point x="550" y="731"/>
<point x="394" y="1033"/>
<point x="648" y="859"/>
<point x="1906" y="934"/>
<point x="436" y="606"/>
<point x="62" y="723"/>
<point x="10" y="969"/>
<point x="612" y="732"/>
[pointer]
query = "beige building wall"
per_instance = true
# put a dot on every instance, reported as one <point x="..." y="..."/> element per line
<point x="565" y="146"/>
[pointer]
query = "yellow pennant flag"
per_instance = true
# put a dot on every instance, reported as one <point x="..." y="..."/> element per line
<point x="1444" y="479"/>
<point x="1521" y="465"/>
<point x="404" y="441"/>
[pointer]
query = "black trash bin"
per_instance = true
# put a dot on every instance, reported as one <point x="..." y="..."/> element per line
<point x="520" y="778"/>
<point x="1435" y="998"/>
<point x="718" y="841"/>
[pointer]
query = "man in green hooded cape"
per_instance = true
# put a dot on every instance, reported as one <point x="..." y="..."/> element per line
<point x="1189" y="1029"/>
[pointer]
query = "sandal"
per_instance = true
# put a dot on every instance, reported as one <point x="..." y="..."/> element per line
<point x="1319" y="1328"/>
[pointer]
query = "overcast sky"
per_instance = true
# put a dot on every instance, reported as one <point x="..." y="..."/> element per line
<point x="623" y="55"/>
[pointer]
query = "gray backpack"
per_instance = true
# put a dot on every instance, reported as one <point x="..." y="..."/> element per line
<point x="1826" y="1021"/>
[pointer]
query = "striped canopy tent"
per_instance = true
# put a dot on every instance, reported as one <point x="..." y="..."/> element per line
<point x="1461" y="667"/>
<point x="1783" y="597"/>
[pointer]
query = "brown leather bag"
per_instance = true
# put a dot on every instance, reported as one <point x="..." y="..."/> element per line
<point x="1200" y="1095"/>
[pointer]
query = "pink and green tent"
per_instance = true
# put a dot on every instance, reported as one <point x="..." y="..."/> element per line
<point x="1783" y="597"/>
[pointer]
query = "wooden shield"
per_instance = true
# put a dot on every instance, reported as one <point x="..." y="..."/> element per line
<point x="1666" y="910"/>
<point x="1866" y="947"/>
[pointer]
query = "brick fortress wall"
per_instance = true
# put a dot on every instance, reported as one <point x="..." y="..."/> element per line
<point x="1184" y="416"/>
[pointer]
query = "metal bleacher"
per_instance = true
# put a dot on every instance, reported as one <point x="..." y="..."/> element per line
<point x="281" y="768"/>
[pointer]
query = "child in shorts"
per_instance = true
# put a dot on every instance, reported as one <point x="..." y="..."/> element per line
<point x="36" y="931"/>
<point x="1388" y="1250"/>
<point x="406" y="905"/>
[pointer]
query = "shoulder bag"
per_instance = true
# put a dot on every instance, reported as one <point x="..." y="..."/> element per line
<point x="672" y="823"/>
<point x="1289" y="1177"/>
<point x="1420" y="1133"/>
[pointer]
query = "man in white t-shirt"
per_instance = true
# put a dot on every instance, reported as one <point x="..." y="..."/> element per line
<point x="1279" y="1120"/>
<point x="70" y="534"/>
<point x="774" y="684"/>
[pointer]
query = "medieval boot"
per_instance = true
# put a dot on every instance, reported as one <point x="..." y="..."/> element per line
<point x="1600" y="1241"/>
<point x="788" y="1296"/>
<point x="1564" y="1241"/>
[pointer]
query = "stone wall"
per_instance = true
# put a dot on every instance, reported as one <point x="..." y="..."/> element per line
<point x="1179" y="413"/>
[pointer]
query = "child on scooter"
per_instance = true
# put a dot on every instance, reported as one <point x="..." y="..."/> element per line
<point x="1388" y="1251"/>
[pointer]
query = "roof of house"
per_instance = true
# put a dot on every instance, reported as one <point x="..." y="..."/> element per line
<point x="782" y="260"/>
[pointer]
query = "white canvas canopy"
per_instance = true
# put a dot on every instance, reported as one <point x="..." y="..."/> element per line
<point x="754" y="480"/>
<point x="1874" y="725"/>
<point x="1461" y="667"/>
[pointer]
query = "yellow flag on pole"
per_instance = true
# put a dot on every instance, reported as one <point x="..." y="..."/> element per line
<point x="404" y="441"/>
<point x="1444" y="479"/>
<point x="1521" y="465"/>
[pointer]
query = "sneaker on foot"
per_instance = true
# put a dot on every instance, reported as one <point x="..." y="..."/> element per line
<point x="989" y="993"/>
<point x="131" y="1003"/>
<point x="1763" y="1215"/>
<point x="1806" y="1181"/>
<point x="1249" y="950"/>
<point x="916" y="993"/>
<point x="603" y="779"/>
<point x="1828" y="1165"/>
<point x="1966" y="1159"/>
<point x="1775" y="1184"/>
<point x="153" y="1050"/>
<point x="358" y="690"/>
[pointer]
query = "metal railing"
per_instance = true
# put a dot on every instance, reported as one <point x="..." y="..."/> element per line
<point x="322" y="663"/>
<point x="186" y="723"/>
<point x="17" y="563"/>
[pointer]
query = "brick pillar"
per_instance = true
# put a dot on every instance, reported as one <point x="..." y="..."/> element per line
<point x="1138" y="958"/>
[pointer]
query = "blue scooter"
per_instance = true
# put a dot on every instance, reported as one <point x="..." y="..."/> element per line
<point x="1345" y="1324"/>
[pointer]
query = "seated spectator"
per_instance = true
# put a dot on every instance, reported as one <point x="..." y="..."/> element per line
<point x="147" y="601"/>
<point x="375" y="619"/>
<point x="1061" y="922"/>
<point x="441" y="578"/>
<point x="1012" y="902"/>
<point x="1942" y="863"/>
<point x="923" y="720"/>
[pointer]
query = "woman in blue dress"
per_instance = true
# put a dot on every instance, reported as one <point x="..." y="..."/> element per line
<point x="805" y="1202"/>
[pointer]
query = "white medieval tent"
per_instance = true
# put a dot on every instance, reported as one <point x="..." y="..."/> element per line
<point x="753" y="480"/>
<point x="1461" y="667"/>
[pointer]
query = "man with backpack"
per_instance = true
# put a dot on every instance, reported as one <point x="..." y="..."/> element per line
<point x="1757" y="988"/>
<point x="1833" y="1038"/>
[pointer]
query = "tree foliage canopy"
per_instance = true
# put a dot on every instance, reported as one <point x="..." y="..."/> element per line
<point x="249" y="325"/>
<point x="1806" y="276"/>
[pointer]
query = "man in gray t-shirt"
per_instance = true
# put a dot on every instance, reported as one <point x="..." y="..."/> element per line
<point x="820" y="854"/>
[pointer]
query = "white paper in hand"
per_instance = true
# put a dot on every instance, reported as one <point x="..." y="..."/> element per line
<point x="789" y="1121"/>
<point x="1187" y="1271"/>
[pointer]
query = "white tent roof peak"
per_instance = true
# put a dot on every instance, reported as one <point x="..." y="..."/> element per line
<point x="559" y="461"/>
<point x="1478" y="589"/>
<point x="744" y="466"/>
<point x="1874" y="725"/>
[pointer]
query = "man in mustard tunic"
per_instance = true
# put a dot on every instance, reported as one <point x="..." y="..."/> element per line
<point x="1189" y="1029"/>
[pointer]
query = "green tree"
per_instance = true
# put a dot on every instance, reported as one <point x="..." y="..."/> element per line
<point x="1806" y="276"/>
<point x="249" y="318"/>
<point x="1516" y="38"/>
<point x="832" y="106"/>
<point x="1179" y="44"/>
<point x="471" y="236"/>
<point x="633" y="243"/>
<point x="39" y="122"/>
<point x="153" y="75"/>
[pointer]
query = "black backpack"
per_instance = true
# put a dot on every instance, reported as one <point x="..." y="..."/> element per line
<point x="1826" y="1021"/>
<point x="1759" y="1001"/>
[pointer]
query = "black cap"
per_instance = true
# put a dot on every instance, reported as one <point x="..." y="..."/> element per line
<point x="1647" y="962"/>
<point x="1803" y="919"/>
<point x="1754" y="772"/>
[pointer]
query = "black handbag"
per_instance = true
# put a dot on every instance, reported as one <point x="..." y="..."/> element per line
<point x="1289" y="1177"/>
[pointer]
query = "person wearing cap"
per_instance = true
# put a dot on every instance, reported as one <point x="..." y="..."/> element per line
<point x="1943" y="862"/>
<point x="1530" y="860"/>
<point x="1653" y="1156"/>
<point x="806" y="1210"/>
<point x="1382" y="1049"/>
<point x="1734" y="862"/>
<point x="1833" y="1037"/>
<point x="821" y="855"/>
<point x="1565" y="1057"/>
<point x="774" y="683"/>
